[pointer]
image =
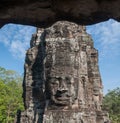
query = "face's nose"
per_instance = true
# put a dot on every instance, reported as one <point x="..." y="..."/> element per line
<point x="62" y="86"/>
<point x="61" y="90"/>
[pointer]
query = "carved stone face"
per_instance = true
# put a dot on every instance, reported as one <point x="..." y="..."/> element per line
<point x="63" y="90"/>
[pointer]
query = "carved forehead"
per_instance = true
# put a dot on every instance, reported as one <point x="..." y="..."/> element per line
<point x="67" y="78"/>
<point x="62" y="72"/>
<point x="62" y="28"/>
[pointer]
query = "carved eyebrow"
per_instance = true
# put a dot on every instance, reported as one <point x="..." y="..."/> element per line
<point x="54" y="82"/>
<point x="69" y="82"/>
<point x="59" y="78"/>
<point x="67" y="78"/>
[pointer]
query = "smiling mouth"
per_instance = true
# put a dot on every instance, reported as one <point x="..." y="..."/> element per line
<point x="62" y="95"/>
<point x="62" y="98"/>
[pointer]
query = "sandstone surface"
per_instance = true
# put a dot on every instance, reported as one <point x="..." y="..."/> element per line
<point x="62" y="82"/>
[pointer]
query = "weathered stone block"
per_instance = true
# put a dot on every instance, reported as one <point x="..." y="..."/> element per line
<point x="64" y="84"/>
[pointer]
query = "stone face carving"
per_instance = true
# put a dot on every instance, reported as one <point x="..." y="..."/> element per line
<point x="63" y="65"/>
<point x="62" y="83"/>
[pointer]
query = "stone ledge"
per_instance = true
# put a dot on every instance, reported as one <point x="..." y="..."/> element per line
<point x="44" y="13"/>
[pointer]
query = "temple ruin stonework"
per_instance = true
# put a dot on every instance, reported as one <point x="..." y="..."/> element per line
<point x="43" y="13"/>
<point x="62" y="82"/>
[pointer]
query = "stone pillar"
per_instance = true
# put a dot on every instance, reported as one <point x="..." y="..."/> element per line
<point x="62" y="83"/>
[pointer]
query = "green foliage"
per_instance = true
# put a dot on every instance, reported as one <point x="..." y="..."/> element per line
<point x="111" y="103"/>
<point x="10" y="95"/>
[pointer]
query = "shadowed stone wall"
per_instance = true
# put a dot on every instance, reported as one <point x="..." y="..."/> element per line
<point x="62" y="83"/>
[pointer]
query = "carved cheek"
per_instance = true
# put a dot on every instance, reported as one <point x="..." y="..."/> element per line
<point x="56" y="86"/>
<point x="53" y="88"/>
<point x="73" y="91"/>
<point x="69" y="88"/>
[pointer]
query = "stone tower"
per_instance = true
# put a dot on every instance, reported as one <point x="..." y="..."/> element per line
<point x="62" y="83"/>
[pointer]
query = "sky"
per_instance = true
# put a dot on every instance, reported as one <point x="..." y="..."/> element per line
<point x="15" y="39"/>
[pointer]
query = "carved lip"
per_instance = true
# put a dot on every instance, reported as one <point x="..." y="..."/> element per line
<point x="62" y="94"/>
<point x="61" y="91"/>
<point x="62" y="98"/>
